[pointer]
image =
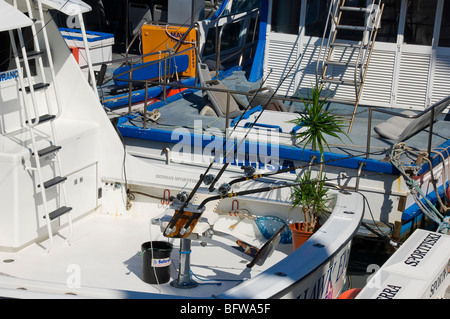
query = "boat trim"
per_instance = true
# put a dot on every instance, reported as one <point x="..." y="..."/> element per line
<point x="312" y="243"/>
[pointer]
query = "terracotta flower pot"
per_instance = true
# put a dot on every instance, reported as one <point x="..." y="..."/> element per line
<point x="299" y="234"/>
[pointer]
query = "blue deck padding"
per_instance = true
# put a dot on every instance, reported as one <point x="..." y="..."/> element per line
<point x="151" y="70"/>
<point x="246" y="115"/>
<point x="155" y="91"/>
<point x="99" y="35"/>
<point x="285" y="152"/>
<point x="257" y="69"/>
<point x="413" y="212"/>
<point x="139" y="95"/>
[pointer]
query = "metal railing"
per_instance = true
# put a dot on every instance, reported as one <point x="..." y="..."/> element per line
<point x="429" y="109"/>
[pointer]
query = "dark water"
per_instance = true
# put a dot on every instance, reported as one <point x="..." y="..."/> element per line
<point x="366" y="257"/>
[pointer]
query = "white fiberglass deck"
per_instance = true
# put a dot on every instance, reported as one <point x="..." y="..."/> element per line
<point x="105" y="252"/>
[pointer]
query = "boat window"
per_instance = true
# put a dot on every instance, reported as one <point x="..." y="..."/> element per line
<point x="316" y="17"/>
<point x="419" y="24"/>
<point x="241" y="6"/>
<point x="389" y="21"/>
<point x="252" y="33"/>
<point x="6" y="56"/>
<point x="5" y="51"/>
<point x="230" y="38"/>
<point x="286" y="16"/>
<point x="444" y="36"/>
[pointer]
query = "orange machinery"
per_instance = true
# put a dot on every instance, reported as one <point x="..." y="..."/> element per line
<point x="159" y="38"/>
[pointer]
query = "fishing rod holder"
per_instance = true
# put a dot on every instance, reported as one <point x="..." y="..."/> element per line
<point x="182" y="197"/>
<point x="224" y="189"/>
<point x="183" y="221"/>
<point x="208" y="179"/>
<point x="249" y="171"/>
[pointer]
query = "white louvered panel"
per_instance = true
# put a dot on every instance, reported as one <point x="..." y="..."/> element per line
<point x="281" y="56"/>
<point x="345" y="73"/>
<point x="378" y="84"/>
<point x="412" y="82"/>
<point x="306" y="78"/>
<point x="441" y="81"/>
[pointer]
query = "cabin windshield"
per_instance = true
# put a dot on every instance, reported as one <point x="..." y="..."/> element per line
<point x="240" y="6"/>
<point x="5" y="52"/>
<point x="444" y="35"/>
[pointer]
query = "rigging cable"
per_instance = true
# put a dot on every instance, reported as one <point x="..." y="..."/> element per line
<point x="427" y="208"/>
<point x="235" y="146"/>
<point x="200" y="181"/>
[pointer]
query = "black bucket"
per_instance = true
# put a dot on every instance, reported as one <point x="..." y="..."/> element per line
<point x="156" y="261"/>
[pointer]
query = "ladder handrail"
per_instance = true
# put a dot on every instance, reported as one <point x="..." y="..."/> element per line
<point x="22" y="80"/>
<point x="368" y="53"/>
<point x="31" y="124"/>
<point x="49" y="58"/>
<point x="332" y="29"/>
<point x="364" y="47"/>
<point x="59" y="107"/>
<point x="88" y="55"/>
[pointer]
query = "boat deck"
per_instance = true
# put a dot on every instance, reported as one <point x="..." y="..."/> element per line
<point x="184" y="113"/>
<point x="105" y="251"/>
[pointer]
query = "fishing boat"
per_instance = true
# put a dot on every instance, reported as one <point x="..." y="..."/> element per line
<point x="82" y="217"/>
<point x="417" y="270"/>
<point x="375" y="65"/>
<point x="169" y="43"/>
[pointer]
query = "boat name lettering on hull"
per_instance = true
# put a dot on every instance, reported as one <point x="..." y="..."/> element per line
<point x="389" y="292"/>
<point x="326" y="285"/>
<point x="9" y="75"/>
<point x="422" y="250"/>
<point x="440" y="279"/>
<point x="176" y="178"/>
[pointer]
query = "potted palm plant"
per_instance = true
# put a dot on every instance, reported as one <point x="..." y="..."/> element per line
<point x="311" y="193"/>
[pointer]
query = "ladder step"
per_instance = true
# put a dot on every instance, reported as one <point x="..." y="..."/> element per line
<point x="36" y="87"/>
<point x="32" y="55"/>
<point x="48" y="150"/>
<point x="357" y="9"/>
<point x="54" y="181"/>
<point x="339" y="63"/>
<point x="43" y="118"/>
<point x="352" y="28"/>
<point x="343" y="82"/>
<point x="59" y="212"/>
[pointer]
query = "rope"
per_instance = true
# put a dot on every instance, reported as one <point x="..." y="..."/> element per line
<point x="427" y="208"/>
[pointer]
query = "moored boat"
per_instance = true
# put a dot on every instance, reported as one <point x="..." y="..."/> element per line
<point x="418" y="270"/>
<point x="390" y="155"/>
<point x="86" y="214"/>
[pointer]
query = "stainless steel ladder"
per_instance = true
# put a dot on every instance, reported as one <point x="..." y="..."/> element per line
<point x="35" y="118"/>
<point x="371" y="16"/>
